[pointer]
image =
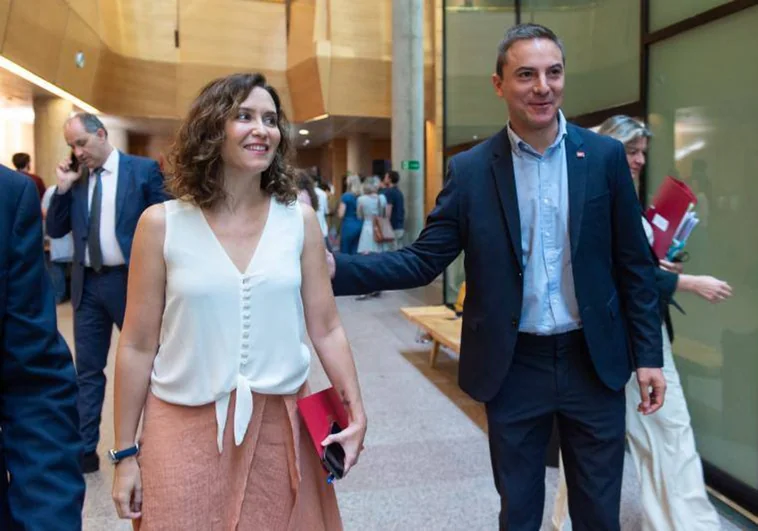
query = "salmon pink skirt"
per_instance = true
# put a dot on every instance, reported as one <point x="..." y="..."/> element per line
<point x="273" y="481"/>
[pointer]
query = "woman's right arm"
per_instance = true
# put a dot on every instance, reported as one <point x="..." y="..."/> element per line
<point x="137" y="347"/>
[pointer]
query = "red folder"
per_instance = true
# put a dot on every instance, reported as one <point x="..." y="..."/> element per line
<point x="319" y="411"/>
<point x="666" y="211"/>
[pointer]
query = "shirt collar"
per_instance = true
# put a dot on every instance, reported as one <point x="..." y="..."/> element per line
<point x="110" y="166"/>
<point x="518" y="146"/>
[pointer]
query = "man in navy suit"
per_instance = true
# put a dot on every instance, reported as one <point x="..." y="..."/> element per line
<point x="561" y="303"/>
<point x="100" y="205"/>
<point x="40" y="445"/>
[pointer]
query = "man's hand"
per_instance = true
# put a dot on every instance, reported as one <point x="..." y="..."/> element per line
<point x="652" y="401"/>
<point x="66" y="177"/>
<point x="330" y="264"/>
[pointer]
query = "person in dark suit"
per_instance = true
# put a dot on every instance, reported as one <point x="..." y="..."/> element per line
<point x="41" y="484"/>
<point x="561" y="301"/>
<point x="100" y="205"/>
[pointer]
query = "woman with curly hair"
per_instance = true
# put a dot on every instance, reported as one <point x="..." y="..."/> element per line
<point x="224" y="282"/>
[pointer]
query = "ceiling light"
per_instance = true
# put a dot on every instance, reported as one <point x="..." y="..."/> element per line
<point x="34" y="78"/>
<point x="304" y="132"/>
<point x="317" y="118"/>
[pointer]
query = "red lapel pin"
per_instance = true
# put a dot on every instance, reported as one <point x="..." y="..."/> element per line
<point x="580" y="154"/>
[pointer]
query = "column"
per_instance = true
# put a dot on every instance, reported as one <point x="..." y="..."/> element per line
<point x="49" y="145"/>
<point x="408" y="108"/>
<point x="359" y="154"/>
<point x="119" y="138"/>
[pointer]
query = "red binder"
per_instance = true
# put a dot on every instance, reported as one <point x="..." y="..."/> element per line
<point x="666" y="211"/>
<point x="319" y="411"/>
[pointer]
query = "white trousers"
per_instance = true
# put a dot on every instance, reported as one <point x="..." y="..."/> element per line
<point x="663" y="452"/>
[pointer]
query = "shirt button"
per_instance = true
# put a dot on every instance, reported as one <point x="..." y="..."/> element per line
<point x="514" y="322"/>
<point x="245" y="335"/>
<point x="245" y="345"/>
<point x="246" y="315"/>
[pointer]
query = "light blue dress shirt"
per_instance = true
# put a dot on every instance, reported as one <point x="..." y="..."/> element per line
<point x="549" y="304"/>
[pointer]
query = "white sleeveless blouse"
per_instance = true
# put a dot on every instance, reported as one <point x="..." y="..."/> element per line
<point x="224" y="330"/>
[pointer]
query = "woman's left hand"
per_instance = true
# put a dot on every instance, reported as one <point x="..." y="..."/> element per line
<point x="351" y="440"/>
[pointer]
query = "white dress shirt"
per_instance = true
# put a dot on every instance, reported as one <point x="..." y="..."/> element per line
<point x="112" y="255"/>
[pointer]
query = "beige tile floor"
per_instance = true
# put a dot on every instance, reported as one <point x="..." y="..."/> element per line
<point x="426" y="464"/>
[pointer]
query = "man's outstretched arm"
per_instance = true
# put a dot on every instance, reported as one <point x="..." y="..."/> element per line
<point x="416" y="265"/>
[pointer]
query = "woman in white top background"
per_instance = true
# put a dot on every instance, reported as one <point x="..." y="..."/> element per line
<point x="662" y="445"/>
<point x="223" y="283"/>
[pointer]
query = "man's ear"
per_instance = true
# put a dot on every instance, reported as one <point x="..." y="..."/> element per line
<point x="497" y="82"/>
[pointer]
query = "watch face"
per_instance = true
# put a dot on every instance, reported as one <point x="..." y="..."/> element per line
<point x="112" y="456"/>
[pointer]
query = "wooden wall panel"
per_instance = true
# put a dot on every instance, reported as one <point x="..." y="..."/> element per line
<point x="89" y="11"/>
<point x="305" y="89"/>
<point x="79" y="37"/>
<point x="193" y="77"/>
<point x="34" y="34"/>
<point x="381" y="149"/>
<point x="361" y="28"/>
<point x="142" y="29"/>
<point x="5" y="9"/>
<point x="360" y="88"/>
<point x="238" y="33"/>
<point x="132" y="87"/>
<point x="301" y="45"/>
<point x="307" y="157"/>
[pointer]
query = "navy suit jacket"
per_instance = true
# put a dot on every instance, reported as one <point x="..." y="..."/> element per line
<point x="140" y="185"/>
<point x="477" y="212"/>
<point x="40" y="444"/>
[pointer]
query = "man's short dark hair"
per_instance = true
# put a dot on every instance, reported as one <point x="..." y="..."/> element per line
<point x="524" y="32"/>
<point x="394" y="176"/>
<point x="21" y="160"/>
<point x="90" y="122"/>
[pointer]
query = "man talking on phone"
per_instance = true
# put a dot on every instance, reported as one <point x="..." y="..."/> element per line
<point x="100" y="202"/>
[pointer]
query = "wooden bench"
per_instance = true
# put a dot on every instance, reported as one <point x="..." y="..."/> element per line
<point x="441" y="323"/>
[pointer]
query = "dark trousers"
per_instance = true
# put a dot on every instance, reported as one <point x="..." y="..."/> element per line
<point x="103" y="305"/>
<point x="553" y="377"/>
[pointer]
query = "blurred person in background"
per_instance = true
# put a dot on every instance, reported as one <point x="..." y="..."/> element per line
<point x="662" y="446"/>
<point x="23" y="164"/>
<point x="351" y="226"/>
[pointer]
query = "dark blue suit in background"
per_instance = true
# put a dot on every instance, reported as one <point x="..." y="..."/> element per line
<point x="525" y="380"/>
<point x="40" y="445"/>
<point x="99" y="299"/>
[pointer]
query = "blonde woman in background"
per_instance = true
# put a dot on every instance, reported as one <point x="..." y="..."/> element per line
<point x="370" y="205"/>
<point x="662" y="445"/>
<point x="350" y="231"/>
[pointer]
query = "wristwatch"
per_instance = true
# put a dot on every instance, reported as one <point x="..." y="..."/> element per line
<point x="117" y="455"/>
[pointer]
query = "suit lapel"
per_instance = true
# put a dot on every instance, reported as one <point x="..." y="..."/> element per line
<point x="124" y="180"/>
<point x="505" y="182"/>
<point x="576" y="165"/>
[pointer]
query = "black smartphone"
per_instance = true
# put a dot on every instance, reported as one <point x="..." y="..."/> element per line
<point x="73" y="165"/>
<point x="334" y="456"/>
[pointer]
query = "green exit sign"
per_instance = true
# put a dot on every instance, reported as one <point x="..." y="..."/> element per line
<point x="410" y="165"/>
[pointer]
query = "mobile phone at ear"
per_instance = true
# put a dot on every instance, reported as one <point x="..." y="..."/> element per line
<point x="73" y="165"/>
